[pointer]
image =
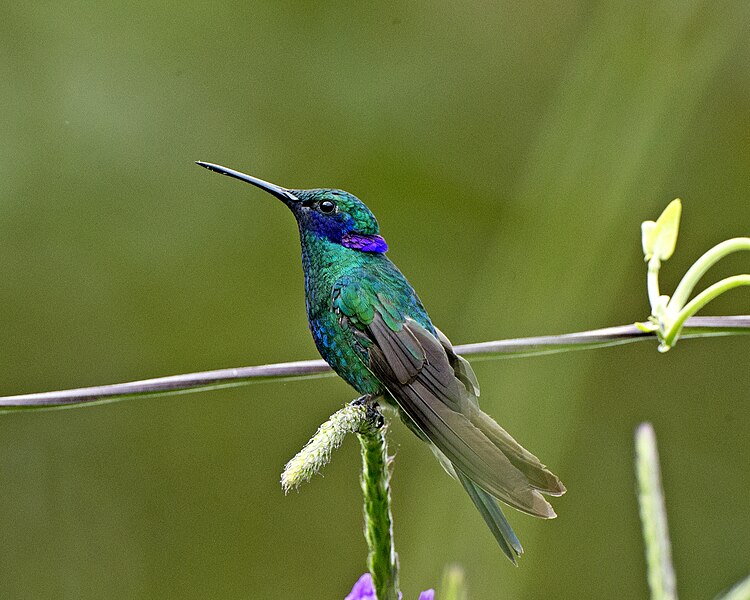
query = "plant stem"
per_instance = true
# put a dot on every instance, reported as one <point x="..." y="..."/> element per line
<point x="382" y="560"/>
<point x="711" y="292"/>
<point x="652" y="282"/>
<point x="454" y="583"/>
<point x="661" y="578"/>
<point x="701" y="266"/>
<point x="740" y="591"/>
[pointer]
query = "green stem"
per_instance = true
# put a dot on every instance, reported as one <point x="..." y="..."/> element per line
<point x="453" y="586"/>
<point x="661" y="579"/>
<point x="701" y="266"/>
<point x="740" y="591"/>
<point x="699" y="302"/>
<point x="382" y="560"/>
<point x="652" y="282"/>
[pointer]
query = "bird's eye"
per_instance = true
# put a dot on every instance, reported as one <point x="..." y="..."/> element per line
<point x="327" y="207"/>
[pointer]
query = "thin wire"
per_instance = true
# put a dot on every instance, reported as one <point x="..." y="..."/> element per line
<point x="308" y="369"/>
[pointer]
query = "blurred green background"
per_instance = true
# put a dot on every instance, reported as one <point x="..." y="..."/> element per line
<point x="510" y="151"/>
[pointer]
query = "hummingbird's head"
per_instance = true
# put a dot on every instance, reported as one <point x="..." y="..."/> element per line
<point x="335" y="215"/>
<point x="339" y="217"/>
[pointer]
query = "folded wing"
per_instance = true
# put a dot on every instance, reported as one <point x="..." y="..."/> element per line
<point x="437" y="391"/>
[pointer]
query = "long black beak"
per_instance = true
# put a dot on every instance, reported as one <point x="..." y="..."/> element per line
<point x="281" y="193"/>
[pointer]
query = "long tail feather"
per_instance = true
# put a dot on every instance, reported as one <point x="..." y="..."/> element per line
<point x="494" y="517"/>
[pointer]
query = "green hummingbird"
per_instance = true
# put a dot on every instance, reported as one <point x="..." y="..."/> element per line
<point x="371" y="327"/>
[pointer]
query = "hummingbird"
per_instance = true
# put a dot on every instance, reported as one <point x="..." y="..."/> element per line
<point x="370" y="326"/>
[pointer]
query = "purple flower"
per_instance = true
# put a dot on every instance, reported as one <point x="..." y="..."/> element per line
<point x="363" y="590"/>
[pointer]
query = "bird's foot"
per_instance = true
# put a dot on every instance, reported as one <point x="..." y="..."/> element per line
<point x="372" y="409"/>
<point x="363" y="400"/>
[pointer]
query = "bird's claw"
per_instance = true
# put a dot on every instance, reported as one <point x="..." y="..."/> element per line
<point x="375" y="416"/>
<point x="362" y="400"/>
<point x="372" y="410"/>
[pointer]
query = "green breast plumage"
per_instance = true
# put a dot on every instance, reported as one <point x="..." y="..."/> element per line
<point x="341" y="287"/>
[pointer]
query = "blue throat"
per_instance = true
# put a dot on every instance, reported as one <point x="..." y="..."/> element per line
<point x="343" y="230"/>
<point x="364" y="242"/>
